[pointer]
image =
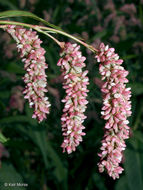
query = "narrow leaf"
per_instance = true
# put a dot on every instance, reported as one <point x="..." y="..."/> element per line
<point x="133" y="167"/>
<point x="137" y="88"/>
<point x="122" y="184"/>
<point x="8" y="4"/>
<point x="9" y="175"/>
<point x="16" y="13"/>
<point x="3" y="139"/>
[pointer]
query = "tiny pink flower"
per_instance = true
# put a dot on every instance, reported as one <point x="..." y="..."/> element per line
<point x="75" y="85"/>
<point x="116" y="108"/>
<point x="32" y="54"/>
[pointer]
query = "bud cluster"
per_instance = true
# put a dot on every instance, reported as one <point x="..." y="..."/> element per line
<point x="116" y="108"/>
<point x="32" y="54"/>
<point x="76" y="81"/>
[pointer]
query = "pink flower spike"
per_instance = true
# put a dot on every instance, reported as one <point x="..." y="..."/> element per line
<point x="75" y="84"/>
<point x="32" y="55"/>
<point x="116" y="109"/>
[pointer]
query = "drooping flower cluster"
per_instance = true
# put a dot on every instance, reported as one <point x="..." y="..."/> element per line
<point x="32" y="54"/>
<point x="116" y="97"/>
<point x="76" y="81"/>
<point x="115" y="110"/>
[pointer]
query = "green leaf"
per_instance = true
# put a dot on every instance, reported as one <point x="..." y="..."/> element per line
<point x="136" y="88"/>
<point x="8" y="4"/>
<point x="122" y="184"/>
<point x="129" y="57"/>
<point x="99" y="35"/>
<point x="38" y="136"/>
<point x="3" y="139"/>
<point x="60" y="171"/>
<point x="138" y="135"/>
<point x="99" y="181"/>
<point x="13" y="119"/>
<point x="4" y="94"/>
<point x="8" y="174"/>
<point x="133" y="166"/>
<point x="15" y="68"/>
<point x="16" y="13"/>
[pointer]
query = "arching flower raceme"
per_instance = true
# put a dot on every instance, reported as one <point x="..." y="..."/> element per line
<point x="32" y="54"/>
<point x="76" y="81"/>
<point x="116" y="108"/>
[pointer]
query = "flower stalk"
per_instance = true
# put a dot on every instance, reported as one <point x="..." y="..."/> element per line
<point x="44" y="30"/>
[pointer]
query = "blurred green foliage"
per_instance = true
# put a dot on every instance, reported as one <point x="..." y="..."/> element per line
<point x="33" y="150"/>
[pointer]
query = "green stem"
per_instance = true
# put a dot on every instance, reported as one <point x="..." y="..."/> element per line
<point x="47" y="34"/>
<point x="41" y="28"/>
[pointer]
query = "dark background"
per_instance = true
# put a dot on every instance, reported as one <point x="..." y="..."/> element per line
<point x="32" y="154"/>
